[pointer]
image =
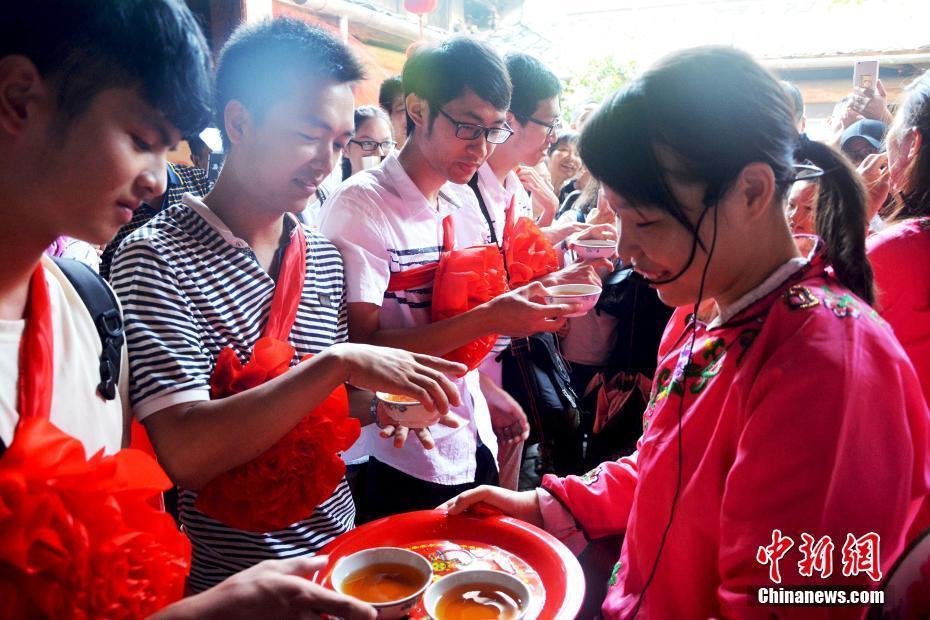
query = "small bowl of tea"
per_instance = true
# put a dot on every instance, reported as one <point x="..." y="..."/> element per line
<point x="584" y="294"/>
<point x="477" y="595"/>
<point x="589" y="249"/>
<point x="407" y="411"/>
<point x="390" y="579"/>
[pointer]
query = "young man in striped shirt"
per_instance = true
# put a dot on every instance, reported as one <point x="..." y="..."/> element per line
<point x="201" y="276"/>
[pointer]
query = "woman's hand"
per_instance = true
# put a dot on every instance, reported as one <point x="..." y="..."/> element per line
<point x="872" y="103"/>
<point x="544" y="199"/>
<point x="523" y="505"/>
<point x="557" y="232"/>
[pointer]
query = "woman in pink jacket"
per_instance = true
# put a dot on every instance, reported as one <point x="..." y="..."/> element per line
<point x="786" y="439"/>
<point x="900" y="253"/>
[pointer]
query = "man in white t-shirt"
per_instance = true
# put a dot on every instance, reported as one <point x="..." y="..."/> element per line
<point x="389" y="220"/>
<point x="85" y="128"/>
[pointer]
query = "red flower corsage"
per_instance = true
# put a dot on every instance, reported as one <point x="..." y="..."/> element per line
<point x="289" y="480"/>
<point x="529" y="254"/>
<point x="465" y="279"/>
<point x="80" y="538"/>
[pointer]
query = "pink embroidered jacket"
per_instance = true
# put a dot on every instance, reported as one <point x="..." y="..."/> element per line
<point x="900" y="257"/>
<point x="803" y="415"/>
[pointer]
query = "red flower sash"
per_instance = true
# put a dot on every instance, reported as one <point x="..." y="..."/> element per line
<point x="528" y="253"/>
<point x="79" y="538"/>
<point x="289" y="480"/>
<point x="462" y="279"/>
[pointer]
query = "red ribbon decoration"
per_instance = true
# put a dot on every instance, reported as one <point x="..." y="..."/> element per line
<point x="462" y="279"/>
<point x="289" y="288"/>
<point x="34" y="384"/>
<point x="79" y="538"/>
<point x="289" y="480"/>
<point x="466" y="279"/>
<point x="528" y="253"/>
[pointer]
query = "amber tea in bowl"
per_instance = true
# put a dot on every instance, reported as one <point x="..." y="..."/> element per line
<point x="477" y="595"/>
<point x="407" y="411"/>
<point x="389" y="578"/>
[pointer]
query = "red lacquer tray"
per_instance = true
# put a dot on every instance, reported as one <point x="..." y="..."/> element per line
<point x="454" y="543"/>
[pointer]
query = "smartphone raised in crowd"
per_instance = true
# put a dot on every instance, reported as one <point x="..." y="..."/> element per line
<point x="865" y="74"/>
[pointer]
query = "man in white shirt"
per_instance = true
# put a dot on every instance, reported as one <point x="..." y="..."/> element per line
<point x="534" y="117"/>
<point x="389" y="220"/>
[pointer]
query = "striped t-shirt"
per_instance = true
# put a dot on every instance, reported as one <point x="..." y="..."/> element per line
<point x="189" y="288"/>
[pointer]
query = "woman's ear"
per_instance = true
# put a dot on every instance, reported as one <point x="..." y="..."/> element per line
<point x="756" y="188"/>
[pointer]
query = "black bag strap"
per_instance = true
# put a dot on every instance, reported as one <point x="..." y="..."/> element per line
<point x="473" y="184"/>
<point x="104" y="310"/>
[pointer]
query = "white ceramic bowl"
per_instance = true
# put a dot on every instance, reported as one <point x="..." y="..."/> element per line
<point x="410" y="413"/>
<point x="584" y="294"/>
<point x="590" y="249"/>
<point x="476" y="576"/>
<point x="391" y="610"/>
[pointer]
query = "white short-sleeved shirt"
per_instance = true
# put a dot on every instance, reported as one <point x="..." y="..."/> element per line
<point x="497" y="198"/>
<point x="77" y="409"/>
<point x="383" y="224"/>
<point x="190" y="288"/>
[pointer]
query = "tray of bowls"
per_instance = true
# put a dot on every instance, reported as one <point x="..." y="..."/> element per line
<point x="429" y="565"/>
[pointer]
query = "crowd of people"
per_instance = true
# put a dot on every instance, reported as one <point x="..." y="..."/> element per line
<point x="757" y="365"/>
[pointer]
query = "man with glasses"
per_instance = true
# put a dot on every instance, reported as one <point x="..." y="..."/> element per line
<point x="390" y="220"/>
<point x="508" y="172"/>
<point x="534" y="116"/>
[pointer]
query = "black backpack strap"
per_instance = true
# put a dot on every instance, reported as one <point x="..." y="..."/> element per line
<point x="473" y="184"/>
<point x="104" y="310"/>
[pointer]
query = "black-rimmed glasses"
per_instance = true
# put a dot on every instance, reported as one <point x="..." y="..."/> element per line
<point x="471" y="131"/>
<point x="553" y="127"/>
<point x="370" y="145"/>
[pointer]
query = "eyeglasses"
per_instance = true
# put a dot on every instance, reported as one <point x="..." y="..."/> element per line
<point x="471" y="131"/>
<point x="370" y="145"/>
<point x="553" y="127"/>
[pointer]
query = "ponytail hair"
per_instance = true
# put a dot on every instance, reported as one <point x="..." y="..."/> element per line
<point x="840" y="218"/>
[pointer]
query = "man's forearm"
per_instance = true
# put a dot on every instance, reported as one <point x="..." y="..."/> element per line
<point x="440" y="337"/>
<point x="197" y="442"/>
